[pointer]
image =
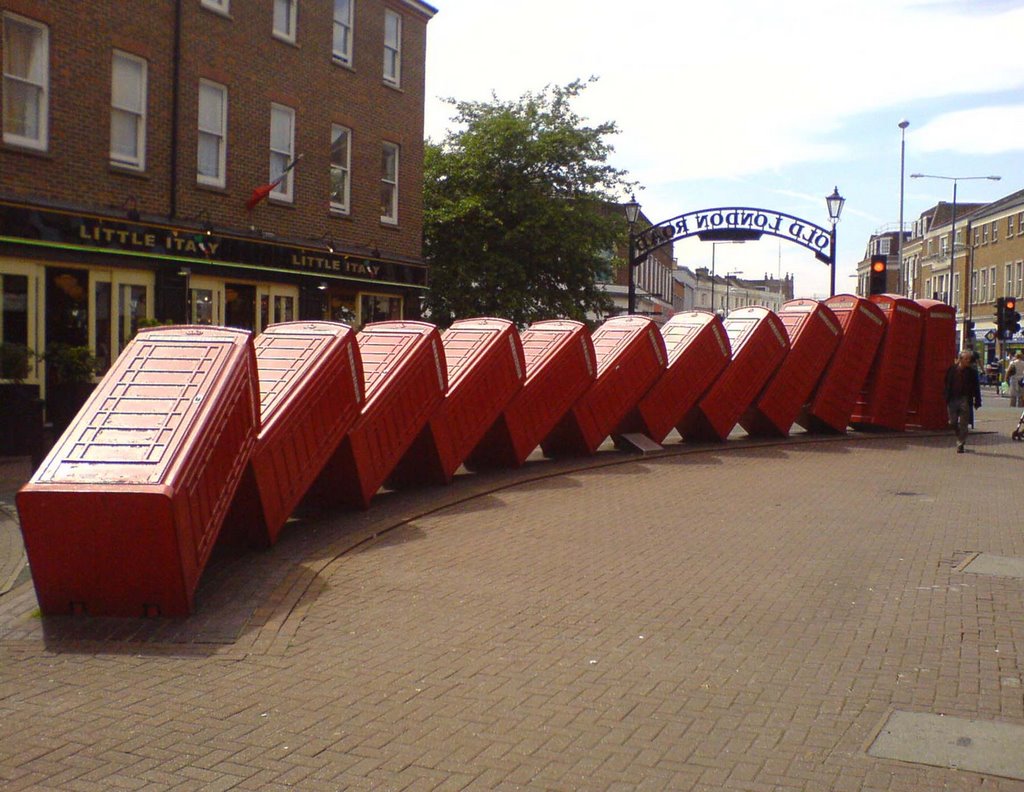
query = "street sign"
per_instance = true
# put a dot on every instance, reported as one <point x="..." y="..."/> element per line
<point x="990" y="335"/>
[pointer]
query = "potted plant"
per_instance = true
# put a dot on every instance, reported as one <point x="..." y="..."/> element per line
<point x="21" y="409"/>
<point x="69" y="381"/>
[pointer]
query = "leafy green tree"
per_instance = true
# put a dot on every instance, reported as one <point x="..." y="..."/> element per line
<point x="517" y="222"/>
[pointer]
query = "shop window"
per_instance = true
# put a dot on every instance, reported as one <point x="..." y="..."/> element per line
<point x="103" y="323"/>
<point x="13" y="316"/>
<point x="26" y="82"/>
<point x="203" y="306"/>
<point x="67" y="306"/>
<point x="132" y="308"/>
<point x="379" y="308"/>
<point x="240" y="306"/>
<point x="341" y="308"/>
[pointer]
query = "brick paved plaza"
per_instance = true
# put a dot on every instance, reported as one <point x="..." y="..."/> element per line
<point x="742" y="617"/>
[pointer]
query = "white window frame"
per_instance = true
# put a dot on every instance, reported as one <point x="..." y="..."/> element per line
<point x="220" y="180"/>
<point x="138" y="113"/>
<point x="345" y="167"/>
<point x="992" y="284"/>
<point x="393" y="49"/>
<point x="283" y="191"/>
<point x="220" y="6"/>
<point x="344" y="56"/>
<point x="39" y="81"/>
<point x="389" y="214"/>
<point x="291" y="20"/>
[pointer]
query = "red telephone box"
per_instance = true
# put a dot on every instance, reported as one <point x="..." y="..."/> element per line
<point x="814" y="335"/>
<point x="886" y="395"/>
<point x="486" y="368"/>
<point x="697" y="349"/>
<point x="120" y="518"/>
<point x="559" y="358"/>
<point x="405" y="379"/>
<point x="630" y="354"/>
<point x="833" y="400"/>
<point x="927" y="407"/>
<point x="311" y="392"/>
<point x="759" y="344"/>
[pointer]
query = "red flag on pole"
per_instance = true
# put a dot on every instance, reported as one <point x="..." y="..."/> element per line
<point x="263" y="191"/>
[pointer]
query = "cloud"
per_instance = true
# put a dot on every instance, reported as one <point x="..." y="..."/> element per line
<point x="982" y="130"/>
<point x="731" y="88"/>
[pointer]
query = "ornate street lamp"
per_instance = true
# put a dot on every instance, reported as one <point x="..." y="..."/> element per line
<point x="632" y="210"/>
<point x="834" y="202"/>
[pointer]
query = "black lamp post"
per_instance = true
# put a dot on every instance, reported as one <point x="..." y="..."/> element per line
<point x="632" y="210"/>
<point x="834" y="202"/>
<point x="901" y="285"/>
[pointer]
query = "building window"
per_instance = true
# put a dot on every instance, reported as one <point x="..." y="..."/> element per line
<point x="992" y="284"/>
<point x="26" y="82"/>
<point x="977" y="237"/>
<point x="1019" y="292"/>
<point x="1009" y="280"/>
<point x="379" y="308"/>
<point x="213" y="127"/>
<point x="974" y="288"/>
<point x="341" y="154"/>
<point x="995" y="231"/>
<point x="389" y="183"/>
<point x="883" y="246"/>
<point x="285" y="16"/>
<point x="1009" y="226"/>
<point x="984" y="234"/>
<point x="282" y="150"/>
<point x="342" y="48"/>
<point x="128" y="111"/>
<point x="13" y="319"/>
<point x="392" y="48"/>
<point x="220" y="6"/>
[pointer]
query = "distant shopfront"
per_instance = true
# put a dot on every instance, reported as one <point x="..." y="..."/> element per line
<point x="83" y="280"/>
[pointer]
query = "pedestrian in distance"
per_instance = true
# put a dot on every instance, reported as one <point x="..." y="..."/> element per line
<point x="963" y="395"/>
<point x="1015" y="373"/>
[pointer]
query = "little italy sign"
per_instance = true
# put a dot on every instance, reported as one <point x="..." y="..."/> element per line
<point x="736" y="223"/>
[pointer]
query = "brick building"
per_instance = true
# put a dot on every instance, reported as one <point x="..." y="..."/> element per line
<point x="135" y="134"/>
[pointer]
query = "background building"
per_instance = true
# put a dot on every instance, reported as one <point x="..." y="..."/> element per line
<point x="986" y="263"/>
<point x="137" y="140"/>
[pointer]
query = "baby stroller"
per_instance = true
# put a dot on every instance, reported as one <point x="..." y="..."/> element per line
<point x="1018" y="433"/>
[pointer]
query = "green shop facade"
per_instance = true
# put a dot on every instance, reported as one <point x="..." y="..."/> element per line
<point x="72" y="282"/>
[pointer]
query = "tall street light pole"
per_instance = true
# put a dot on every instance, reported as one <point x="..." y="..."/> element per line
<point x="952" y="236"/>
<point x="728" y="282"/>
<point x="901" y="279"/>
<point x="834" y="202"/>
<point x="632" y="210"/>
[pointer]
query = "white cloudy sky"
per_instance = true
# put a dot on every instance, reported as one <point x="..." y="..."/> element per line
<point x="770" y="105"/>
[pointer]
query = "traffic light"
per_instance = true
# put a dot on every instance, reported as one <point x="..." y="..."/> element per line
<point x="1007" y="317"/>
<point x="1012" y="317"/>
<point x="876" y="278"/>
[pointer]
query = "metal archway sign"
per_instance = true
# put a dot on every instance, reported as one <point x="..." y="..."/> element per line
<point x="737" y="223"/>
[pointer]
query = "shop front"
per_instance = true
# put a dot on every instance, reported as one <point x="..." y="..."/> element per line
<point x="75" y="284"/>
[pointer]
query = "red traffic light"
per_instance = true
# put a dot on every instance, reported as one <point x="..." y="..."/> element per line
<point x="878" y="266"/>
<point x="1011" y="304"/>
